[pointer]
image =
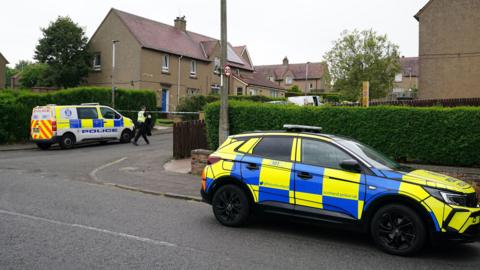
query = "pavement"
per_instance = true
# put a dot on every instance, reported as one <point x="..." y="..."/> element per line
<point x="48" y="221"/>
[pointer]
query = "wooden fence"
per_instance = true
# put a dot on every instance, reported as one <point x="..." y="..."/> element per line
<point x="188" y="136"/>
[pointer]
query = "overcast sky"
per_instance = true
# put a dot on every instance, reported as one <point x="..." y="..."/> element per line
<point x="303" y="30"/>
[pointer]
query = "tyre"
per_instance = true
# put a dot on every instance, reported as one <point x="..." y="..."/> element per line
<point x="67" y="141"/>
<point x="44" y="146"/>
<point x="230" y="206"/>
<point x="398" y="230"/>
<point x="126" y="136"/>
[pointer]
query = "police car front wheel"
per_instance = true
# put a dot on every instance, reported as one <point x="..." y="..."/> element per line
<point x="126" y="136"/>
<point x="67" y="141"/>
<point x="398" y="230"/>
<point x="230" y="206"/>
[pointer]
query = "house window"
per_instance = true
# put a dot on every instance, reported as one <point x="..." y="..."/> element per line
<point x="310" y="86"/>
<point x="192" y="92"/>
<point x="215" y="89"/>
<point x="216" y="67"/>
<point x="238" y="72"/>
<point x="288" y="80"/>
<point x="239" y="91"/>
<point x="166" y="63"/>
<point x="398" y="77"/>
<point x="272" y="79"/>
<point x="274" y="93"/>
<point x="193" y="68"/>
<point x="97" y="62"/>
<point x="253" y="92"/>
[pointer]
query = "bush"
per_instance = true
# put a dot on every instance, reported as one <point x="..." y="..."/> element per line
<point x="16" y="106"/>
<point x="434" y="135"/>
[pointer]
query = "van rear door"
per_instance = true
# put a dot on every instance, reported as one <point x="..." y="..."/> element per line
<point x="42" y="123"/>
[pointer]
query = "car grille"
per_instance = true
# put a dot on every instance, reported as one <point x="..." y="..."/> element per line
<point x="472" y="200"/>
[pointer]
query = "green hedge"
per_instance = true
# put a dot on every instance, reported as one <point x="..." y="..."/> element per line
<point x="433" y="135"/>
<point x="16" y="106"/>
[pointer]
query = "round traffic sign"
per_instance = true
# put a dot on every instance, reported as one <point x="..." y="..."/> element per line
<point x="227" y="70"/>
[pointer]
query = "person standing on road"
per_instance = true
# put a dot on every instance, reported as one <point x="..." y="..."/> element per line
<point x="142" y="129"/>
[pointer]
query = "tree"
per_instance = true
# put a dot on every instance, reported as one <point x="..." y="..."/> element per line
<point x="363" y="56"/>
<point x="35" y="75"/>
<point x="64" y="48"/>
<point x="294" y="89"/>
<point x="22" y="64"/>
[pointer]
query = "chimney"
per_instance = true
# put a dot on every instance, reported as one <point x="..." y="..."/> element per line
<point x="181" y="23"/>
<point x="285" y="61"/>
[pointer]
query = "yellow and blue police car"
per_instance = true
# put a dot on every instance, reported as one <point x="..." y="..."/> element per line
<point x="71" y="124"/>
<point x="303" y="173"/>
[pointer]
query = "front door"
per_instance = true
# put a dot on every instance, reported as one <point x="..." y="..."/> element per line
<point x="89" y="123"/>
<point x="321" y="184"/>
<point x="270" y="162"/>
<point x="165" y="100"/>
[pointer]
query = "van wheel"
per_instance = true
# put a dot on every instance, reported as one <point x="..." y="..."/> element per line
<point x="67" y="141"/>
<point x="126" y="136"/>
<point x="44" y="146"/>
<point x="398" y="230"/>
<point x="230" y="206"/>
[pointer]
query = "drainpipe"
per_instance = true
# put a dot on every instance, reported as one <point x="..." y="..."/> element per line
<point x="178" y="82"/>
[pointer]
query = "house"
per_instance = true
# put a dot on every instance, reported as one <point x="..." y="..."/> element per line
<point x="405" y="85"/>
<point x="309" y="77"/>
<point x="449" y="49"/>
<point x="170" y="60"/>
<point x="3" y="68"/>
<point x="255" y="84"/>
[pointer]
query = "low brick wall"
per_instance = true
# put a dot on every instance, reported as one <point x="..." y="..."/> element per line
<point x="199" y="160"/>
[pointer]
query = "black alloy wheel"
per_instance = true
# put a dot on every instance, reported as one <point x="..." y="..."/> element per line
<point x="230" y="206"/>
<point x="398" y="230"/>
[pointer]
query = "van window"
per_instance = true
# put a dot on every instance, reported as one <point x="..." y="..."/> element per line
<point x="108" y="113"/>
<point x="277" y="148"/>
<point x="87" y="113"/>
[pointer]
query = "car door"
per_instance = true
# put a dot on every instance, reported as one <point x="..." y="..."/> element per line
<point x="268" y="165"/>
<point x="112" y="122"/>
<point x="90" y="124"/>
<point x="321" y="185"/>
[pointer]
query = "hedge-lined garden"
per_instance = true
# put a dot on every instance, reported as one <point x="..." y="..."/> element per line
<point x="433" y="135"/>
<point x="16" y="106"/>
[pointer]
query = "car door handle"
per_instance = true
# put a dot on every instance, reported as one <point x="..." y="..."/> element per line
<point x="252" y="166"/>
<point x="305" y="175"/>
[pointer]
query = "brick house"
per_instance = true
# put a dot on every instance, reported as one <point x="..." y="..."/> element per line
<point x="449" y="49"/>
<point x="170" y="60"/>
<point x="406" y="81"/>
<point x="309" y="77"/>
<point x="3" y="68"/>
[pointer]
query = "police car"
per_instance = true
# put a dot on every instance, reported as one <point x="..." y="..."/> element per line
<point x="68" y="125"/>
<point x="303" y="173"/>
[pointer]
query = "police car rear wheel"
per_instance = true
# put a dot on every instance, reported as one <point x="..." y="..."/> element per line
<point x="67" y="141"/>
<point x="398" y="230"/>
<point x="230" y="206"/>
<point x="126" y="136"/>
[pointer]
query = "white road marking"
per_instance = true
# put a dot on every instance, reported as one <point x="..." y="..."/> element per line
<point x="93" y="174"/>
<point x="84" y="227"/>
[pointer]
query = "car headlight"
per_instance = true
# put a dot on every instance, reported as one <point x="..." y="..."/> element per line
<point x="448" y="197"/>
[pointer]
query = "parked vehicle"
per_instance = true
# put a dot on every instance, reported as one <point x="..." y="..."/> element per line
<point x="280" y="102"/>
<point x="68" y="125"/>
<point x="304" y="173"/>
<point x="306" y="101"/>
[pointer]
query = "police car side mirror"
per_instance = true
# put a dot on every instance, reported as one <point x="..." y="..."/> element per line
<point x="351" y="165"/>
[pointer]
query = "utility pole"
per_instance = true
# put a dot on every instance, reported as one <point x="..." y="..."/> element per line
<point x="223" y="129"/>
<point x="114" y="43"/>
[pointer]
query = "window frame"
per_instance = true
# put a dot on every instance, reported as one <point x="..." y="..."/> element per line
<point x="261" y="137"/>
<point x="97" y="65"/>
<point x="166" y="63"/>
<point x="364" y="168"/>
<point x="241" y="91"/>
<point x="193" y="68"/>
<point x="288" y="80"/>
<point x="216" y="65"/>
<point x="78" y="113"/>
<point x="115" y="112"/>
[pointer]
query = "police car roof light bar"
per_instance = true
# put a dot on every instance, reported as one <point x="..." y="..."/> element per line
<point x="301" y="128"/>
<point x="94" y="103"/>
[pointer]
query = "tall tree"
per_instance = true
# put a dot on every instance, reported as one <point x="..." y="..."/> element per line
<point x="363" y="56"/>
<point x="64" y="48"/>
<point x="22" y="64"/>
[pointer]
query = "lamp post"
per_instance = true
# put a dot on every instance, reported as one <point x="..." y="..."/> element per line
<point x="223" y="130"/>
<point x="114" y="45"/>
